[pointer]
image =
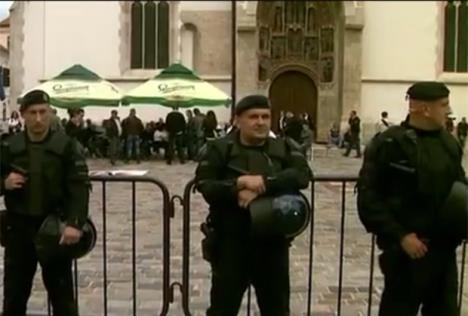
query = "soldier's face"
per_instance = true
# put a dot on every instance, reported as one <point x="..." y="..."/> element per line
<point x="37" y="118"/>
<point x="438" y="111"/>
<point x="255" y="123"/>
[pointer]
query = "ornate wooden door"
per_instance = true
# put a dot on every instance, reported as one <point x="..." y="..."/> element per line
<point x="295" y="92"/>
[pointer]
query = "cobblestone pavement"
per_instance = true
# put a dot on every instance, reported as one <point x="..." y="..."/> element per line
<point x="148" y="269"/>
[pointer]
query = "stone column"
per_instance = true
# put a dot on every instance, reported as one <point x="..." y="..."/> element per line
<point x="352" y="65"/>
<point x="16" y="57"/>
<point x="246" y="64"/>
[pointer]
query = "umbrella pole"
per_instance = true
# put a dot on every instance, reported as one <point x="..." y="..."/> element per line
<point x="233" y="56"/>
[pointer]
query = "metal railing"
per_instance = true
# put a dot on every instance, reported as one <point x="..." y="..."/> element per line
<point x="344" y="180"/>
<point x="168" y="210"/>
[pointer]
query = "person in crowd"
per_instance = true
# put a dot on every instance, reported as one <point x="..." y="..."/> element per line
<point x="462" y="131"/>
<point x="132" y="128"/>
<point x="210" y="124"/>
<point x="354" y="135"/>
<point x="191" y="136"/>
<point x="176" y="127"/>
<point x="14" y="123"/>
<point x="383" y="124"/>
<point x="113" y="129"/>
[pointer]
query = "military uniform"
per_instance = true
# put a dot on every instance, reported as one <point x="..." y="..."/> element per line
<point x="406" y="176"/>
<point x="237" y="258"/>
<point x="56" y="182"/>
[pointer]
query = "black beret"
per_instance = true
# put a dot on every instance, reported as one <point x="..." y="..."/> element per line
<point x="428" y="91"/>
<point x="254" y="101"/>
<point x="34" y="97"/>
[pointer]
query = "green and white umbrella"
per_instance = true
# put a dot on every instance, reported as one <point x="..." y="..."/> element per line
<point x="177" y="86"/>
<point x="79" y="87"/>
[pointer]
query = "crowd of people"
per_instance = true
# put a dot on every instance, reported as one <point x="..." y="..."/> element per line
<point x="131" y="139"/>
<point x="411" y="195"/>
<point x="177" y="134"/>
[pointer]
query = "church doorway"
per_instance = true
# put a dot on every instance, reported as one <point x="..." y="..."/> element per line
<point x="293" y="91"/>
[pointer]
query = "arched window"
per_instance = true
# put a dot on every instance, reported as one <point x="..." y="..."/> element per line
<point x="456" y="36"/>
<point x="163" y="34"/>
<point x="149" y="35"/>
<point x="136" y="36"/>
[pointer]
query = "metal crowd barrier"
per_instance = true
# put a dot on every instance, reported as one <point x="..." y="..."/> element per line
<point x="168" y="206"/>
<point x="168" y="212"/>
<point x="320" y="178"/>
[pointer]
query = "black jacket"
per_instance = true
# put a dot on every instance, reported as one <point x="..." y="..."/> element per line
<point x="175" y="122"/>
<point x="111" y="127"/>
<point x="354" y="125"/>
<point x="224" y="160"/>
<point x="64" y="171"/>
<point x="395" y="189"/>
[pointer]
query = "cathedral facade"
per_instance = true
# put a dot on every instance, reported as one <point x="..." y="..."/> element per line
<point x="323" y="58"/>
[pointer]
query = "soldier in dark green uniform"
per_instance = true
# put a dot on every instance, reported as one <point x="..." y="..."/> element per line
<point x="407" y="174"/>
<point x="42" y="172"/>
<point x="234" y="171"/>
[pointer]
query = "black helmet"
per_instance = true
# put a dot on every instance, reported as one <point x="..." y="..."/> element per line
<point x="286" y="215"/>
<point x="454" y="214"/>
<point x="48" y="237"/>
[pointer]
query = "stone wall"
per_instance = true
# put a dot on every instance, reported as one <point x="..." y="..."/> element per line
<point x="213" y="40"/>
<point x="16" y="46"/>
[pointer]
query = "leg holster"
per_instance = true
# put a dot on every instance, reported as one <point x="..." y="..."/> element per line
<point x="208" y="242"/>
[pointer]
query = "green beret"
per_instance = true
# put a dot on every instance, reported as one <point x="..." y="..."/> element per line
<point x="428" y="91"/>
<point x="254" y="101"/>
<point x="34" y="97"/>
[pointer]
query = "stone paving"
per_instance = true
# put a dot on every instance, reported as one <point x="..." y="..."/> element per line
<point x="149" y="251"/>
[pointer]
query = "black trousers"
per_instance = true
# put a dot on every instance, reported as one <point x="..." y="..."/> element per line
<point x="430" y="283"/>
<point x="354" y="142"/>
<point x="20" y="264"/>
<point x="176" y="142"/>
<point x="239" y="263"/>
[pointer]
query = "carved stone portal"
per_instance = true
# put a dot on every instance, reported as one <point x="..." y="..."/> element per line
<point x="298" y="31"/>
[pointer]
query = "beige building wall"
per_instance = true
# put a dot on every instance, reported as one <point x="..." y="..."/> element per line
<point x="209" y="22"/>
<point x="32" y="46"/>
<point x="85" y="33"/>
<point x="212" y="23"/>
<point x="4" y="34"/>
<point x="402" y="43"/>
<point x="4" y="31"/>
<point x="60" y="34"/>
<point x="399" y="40"/>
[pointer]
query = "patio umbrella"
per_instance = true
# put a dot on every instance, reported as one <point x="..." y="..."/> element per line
<point x="78" y="86"/>
<point x="177" y="86"/>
